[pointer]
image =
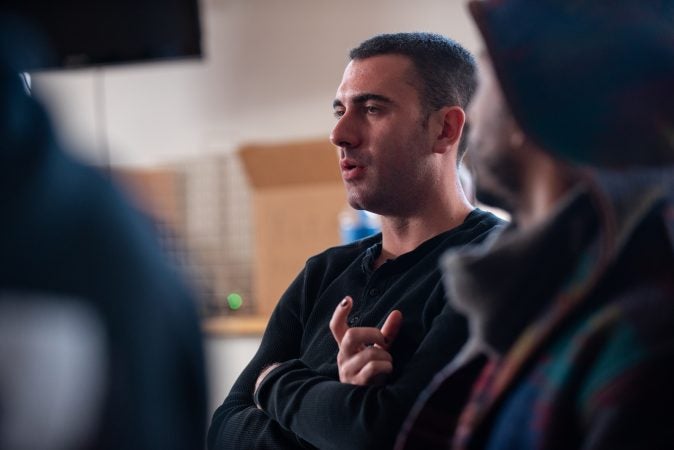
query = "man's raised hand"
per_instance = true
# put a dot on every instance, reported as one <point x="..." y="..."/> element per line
<point x="363" y="357"/>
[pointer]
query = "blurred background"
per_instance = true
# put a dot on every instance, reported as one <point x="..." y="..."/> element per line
<point x="226" y="145"/>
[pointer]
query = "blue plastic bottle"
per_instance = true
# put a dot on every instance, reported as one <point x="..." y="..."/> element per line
<point x="357" y="224"/>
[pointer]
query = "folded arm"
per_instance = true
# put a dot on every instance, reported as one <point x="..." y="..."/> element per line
<point x="238" y="423"/>
<point x="330" y="414"/>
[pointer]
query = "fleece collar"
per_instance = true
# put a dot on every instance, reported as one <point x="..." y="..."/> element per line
<point x="518" y="276"/>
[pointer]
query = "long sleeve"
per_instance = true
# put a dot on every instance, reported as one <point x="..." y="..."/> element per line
<point x="238" y="423"/>
<point x="330" y="414"/>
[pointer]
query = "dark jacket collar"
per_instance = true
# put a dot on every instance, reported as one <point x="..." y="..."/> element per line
<point x="518" y="276"/>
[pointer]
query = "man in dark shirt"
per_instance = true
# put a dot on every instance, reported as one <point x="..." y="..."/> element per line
<point x="364" y="326"/>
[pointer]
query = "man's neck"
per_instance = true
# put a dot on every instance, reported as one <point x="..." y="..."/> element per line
<point x="401" y="235"/>
<point x="547" y="180"/>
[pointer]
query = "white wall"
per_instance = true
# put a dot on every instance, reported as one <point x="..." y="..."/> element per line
<point x="270" y="72"/>
<point x="226" y="357"/>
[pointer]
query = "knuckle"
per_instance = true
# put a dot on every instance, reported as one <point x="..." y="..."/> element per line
<point x="374" y="353"/>
<point x="349" y="337"/>
<point x="368" y="370"/>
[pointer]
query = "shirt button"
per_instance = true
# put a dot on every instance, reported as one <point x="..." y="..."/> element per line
<point x="374" y="292"/>
<point x="353" y="320"/>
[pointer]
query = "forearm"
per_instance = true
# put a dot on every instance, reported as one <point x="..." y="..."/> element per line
<point x="238" y="423"/>
<point x="247" y="427"/>
<point x="329" y="414"/>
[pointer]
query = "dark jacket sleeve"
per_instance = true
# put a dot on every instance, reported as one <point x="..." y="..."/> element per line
<point x="238" y="423"/>
<point x="330" y="414"/>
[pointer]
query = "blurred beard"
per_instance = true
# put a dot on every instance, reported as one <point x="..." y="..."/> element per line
<point x="499" y="187"/>
<point x="489" y="198"/>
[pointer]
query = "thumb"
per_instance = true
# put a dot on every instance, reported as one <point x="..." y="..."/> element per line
<point x="392" y="326"/>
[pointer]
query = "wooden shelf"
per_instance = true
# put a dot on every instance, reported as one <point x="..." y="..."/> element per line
<point x="235" y="325"/>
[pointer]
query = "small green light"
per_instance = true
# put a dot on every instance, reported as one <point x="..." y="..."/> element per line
<point x="234" y="301"/>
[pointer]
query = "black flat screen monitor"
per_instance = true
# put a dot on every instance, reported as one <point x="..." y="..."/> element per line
<point x="80" y="33"/>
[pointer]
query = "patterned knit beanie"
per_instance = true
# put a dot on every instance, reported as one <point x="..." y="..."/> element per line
<point x="591" y="81"/>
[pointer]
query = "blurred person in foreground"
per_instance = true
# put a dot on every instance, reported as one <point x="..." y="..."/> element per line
<point x="99" y="338"/>
<point x="360" y="331"/>
<point x="571" y="308"/>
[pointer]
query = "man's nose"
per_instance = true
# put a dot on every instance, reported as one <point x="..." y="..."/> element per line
<point x="345" y="132"/>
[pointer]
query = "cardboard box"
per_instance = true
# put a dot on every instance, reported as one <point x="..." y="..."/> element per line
<point x="157" y="192"/>
<point x="297" y="195"/>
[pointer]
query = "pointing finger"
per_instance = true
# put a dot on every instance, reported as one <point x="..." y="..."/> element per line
<point x="338" y="324"/>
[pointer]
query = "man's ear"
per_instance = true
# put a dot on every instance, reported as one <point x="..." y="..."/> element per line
<point x="453" y="120"/>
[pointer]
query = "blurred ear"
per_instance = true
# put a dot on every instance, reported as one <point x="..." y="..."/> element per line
<point x="453" y="119"/>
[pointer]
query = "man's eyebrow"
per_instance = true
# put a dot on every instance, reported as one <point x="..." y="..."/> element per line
<point x="362" y="98"/>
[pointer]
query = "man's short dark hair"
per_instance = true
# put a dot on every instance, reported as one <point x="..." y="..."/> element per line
<point x="446" y="70"/>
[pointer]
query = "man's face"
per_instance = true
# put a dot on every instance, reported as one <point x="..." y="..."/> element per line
<point x="385" y="146"/>
<point x="497" y="162"/>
